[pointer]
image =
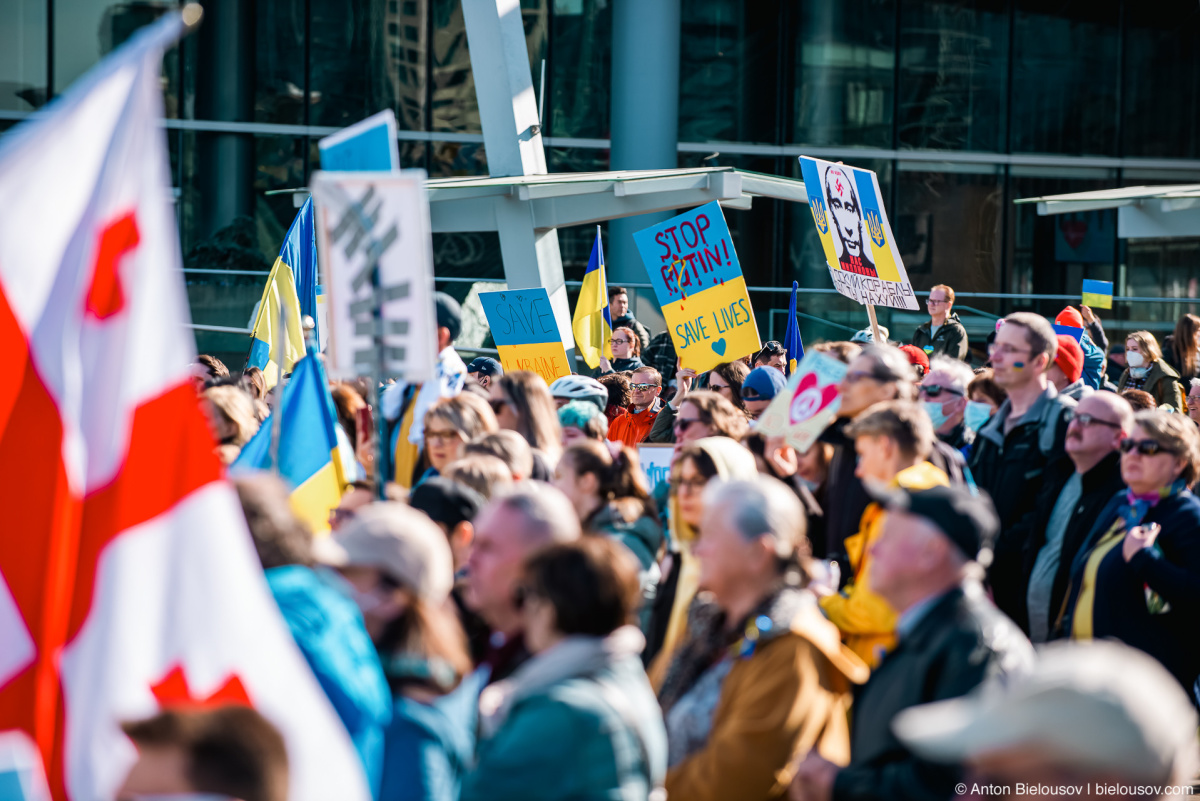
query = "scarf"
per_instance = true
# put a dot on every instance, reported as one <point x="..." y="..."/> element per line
<point x="1136" y="507"/>
<point x="573" y="657"/>
<point x="710" y="641"/>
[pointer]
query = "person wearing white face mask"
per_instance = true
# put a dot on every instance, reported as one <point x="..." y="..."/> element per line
<point x="1149" y="372"/>
<point x="943" y="393"/>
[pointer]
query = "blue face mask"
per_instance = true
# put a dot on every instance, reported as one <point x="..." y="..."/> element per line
<point x="935" y="412"/>
<point x="976" y="415"/>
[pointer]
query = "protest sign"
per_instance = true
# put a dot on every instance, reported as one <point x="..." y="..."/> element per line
<point x="1097" y="294"/>
<point x="382" y="321"/>
<point x="860" y="250"/>
<point x="656" y="463"/>
<point x="807" y="406"/>
<point x="366" y="146"/>
<point x="1069" y="330"/>
<point x="526" y="334"/>
<point x="699" y="285"/>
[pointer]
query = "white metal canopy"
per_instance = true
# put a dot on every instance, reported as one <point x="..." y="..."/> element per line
<point x="1143" y="212"/>
<point x="562" y="200"/>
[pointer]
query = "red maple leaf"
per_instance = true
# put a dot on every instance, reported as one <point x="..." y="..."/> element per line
<point x="174" y="692"/>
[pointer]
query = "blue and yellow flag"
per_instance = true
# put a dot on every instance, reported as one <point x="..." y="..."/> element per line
<point x="791" y="341"/>
<point x="291" y="290"/>
<point x="1097" y="294"/>
<point x="593" y="321"/>
<point x="309" y="460"/>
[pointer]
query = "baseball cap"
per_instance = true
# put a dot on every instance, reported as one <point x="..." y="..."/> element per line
<point x="449" y="313"/>
<point x="1091" y="705"/>
<point x="867" y="336"/>
<point x="763" y="383"/>
<point x="1070" y="357"/>
<point x="969" y="521"/>
<point x="401" y="542"/>
<point x="916" y="357"/>
<point x="445" y="501"/>
<point x="486" y="366"/>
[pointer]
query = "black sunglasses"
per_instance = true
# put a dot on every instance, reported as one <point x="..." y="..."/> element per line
<point x="1090" y="420"/>
<point x="935" y="390"/>
<point x="1146" y="447"/>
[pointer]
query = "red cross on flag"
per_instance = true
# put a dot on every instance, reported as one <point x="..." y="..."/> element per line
<point x="127" y="576"/>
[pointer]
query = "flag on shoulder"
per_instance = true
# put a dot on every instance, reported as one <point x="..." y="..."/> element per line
<point x="791" y="341"/>
<point x="308" y="453"/>
<point x="593" y="321"/>
<point x="291" y="285"/>
<point x="127" y="575"/>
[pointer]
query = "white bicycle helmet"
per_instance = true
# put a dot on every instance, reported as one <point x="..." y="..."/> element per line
<point x="580" y="387"/>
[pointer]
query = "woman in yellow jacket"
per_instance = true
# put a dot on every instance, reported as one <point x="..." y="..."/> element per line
<point x="892" y="441"/>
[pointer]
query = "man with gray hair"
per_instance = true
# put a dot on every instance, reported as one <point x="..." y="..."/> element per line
<point x="1094" y="714"/>
<point x="1022" y="439"/>
<point x="1193" y="401"/>
<point x="510" y="528"/>
<point x="943" y="394"/>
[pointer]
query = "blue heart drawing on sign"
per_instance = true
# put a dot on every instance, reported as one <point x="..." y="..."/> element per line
<point x="719" y="346"/>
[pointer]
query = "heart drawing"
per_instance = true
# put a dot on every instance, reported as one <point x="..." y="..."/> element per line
<point x="810" y="399"/>
<point x="719" y="346"/>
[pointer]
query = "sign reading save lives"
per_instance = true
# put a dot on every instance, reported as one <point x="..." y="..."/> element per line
<point x="526" y="335"/>
<point x="860" y="250"/>
<point x="699" y="285"/>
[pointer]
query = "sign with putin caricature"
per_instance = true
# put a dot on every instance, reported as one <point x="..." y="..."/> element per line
<point x="860" y="250"/>
<point x="698" y="282"/>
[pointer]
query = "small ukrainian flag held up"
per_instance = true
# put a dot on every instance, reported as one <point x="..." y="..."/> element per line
<point x="592" y="323"/>
<point x="309" y="460"/>
<point x="1097" y="294"/>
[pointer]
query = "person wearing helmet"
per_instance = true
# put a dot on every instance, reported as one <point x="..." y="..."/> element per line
<point x="578" y="387"/>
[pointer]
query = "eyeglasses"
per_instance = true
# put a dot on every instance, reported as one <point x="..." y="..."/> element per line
<point x="617" y="341"/>
<point x="691" y="484"/>
<point x="497" y="405"/>
<point x="935" y="390"/>
<point x="642" y="387"/>
<point x="1006" y="350"/>
<point x="1090" y="420"/>
<point x="1146" y="447"/>
<point x="935" y="302"/>
<point x="718" y="387"/>
<point x="443" y="437"/>
<point x="682" y="425"/>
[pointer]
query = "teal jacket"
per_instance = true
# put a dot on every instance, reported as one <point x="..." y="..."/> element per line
<point x="570" y="741"/>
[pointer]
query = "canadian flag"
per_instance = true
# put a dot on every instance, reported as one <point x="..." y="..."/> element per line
<point x="127" y="576"/>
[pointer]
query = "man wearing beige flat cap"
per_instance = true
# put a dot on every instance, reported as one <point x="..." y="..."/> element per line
<point x="1093" y="719"/>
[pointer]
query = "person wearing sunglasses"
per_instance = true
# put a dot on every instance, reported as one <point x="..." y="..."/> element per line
<point x="943" y="395"/>
<point x="1073" y="494"/>
<point x="631" y="429"/>
<point x="1137" y="578"/>
<point x="943" y="334"/>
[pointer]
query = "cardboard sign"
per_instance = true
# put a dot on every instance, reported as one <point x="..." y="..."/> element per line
<point x="366" y="146"/>
<point x="809" y="403"/>
<point x="656" y="463"/>
<point x="1097" y="294"/>
<point x="860" y="250"/>
<point x="367" y="221"/>
<point x="526" y="334"/>
<point x="699" y="285"/>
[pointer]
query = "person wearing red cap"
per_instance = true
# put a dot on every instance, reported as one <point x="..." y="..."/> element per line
<point x="1093" y="354"/>
<point x="917" y="358"/>
<point x="1065" y="374"/>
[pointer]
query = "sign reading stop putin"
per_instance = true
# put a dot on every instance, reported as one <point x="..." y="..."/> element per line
<point x="809" y="403"/>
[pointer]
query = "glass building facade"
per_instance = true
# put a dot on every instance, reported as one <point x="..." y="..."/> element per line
<point x="960" y="106"/>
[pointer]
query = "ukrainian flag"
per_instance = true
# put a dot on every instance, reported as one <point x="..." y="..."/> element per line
<point x="291" y="288"/>
<point x="593" y="321"/>
<point x="308" y="451"/>
<point x="1097" y="294"/>
<point x="791" y="341"/>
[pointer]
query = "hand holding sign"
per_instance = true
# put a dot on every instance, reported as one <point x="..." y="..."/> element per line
<point x="809" y="403"/>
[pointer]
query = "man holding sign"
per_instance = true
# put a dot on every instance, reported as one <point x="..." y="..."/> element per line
<point x="699" y="284"/>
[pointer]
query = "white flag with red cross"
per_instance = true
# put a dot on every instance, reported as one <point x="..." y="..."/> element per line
<point x="127" y="576"/>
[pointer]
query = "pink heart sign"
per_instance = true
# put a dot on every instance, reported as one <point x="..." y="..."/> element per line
<point x="809" y="399"/>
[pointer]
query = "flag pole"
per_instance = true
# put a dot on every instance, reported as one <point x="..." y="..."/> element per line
<point x="277" y="412"/>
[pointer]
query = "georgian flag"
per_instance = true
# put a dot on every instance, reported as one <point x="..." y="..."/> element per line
<point x="128" y="580"/>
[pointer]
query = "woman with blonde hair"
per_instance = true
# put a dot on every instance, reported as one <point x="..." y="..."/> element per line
<point x="1148" y="371"/>
<point x="522" y="402"/>
<point x="450" y="424"/>
<point x="231" y="419"/>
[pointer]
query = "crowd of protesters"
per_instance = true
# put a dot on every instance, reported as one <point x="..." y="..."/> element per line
<point x="526" y="617"/>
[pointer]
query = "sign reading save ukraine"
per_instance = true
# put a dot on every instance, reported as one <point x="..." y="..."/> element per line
<point x="525" y="332"/>
<point x="699" y="285"/>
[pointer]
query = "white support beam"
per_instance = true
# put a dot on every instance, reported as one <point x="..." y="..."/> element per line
<point x="1149" y="221"/>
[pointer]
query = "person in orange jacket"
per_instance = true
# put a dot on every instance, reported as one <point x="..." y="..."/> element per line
<point x="632" y="428"/>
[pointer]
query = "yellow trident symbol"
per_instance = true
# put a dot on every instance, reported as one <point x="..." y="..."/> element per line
<point x="875" y="226"/>
<point x="818" y="210"/>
